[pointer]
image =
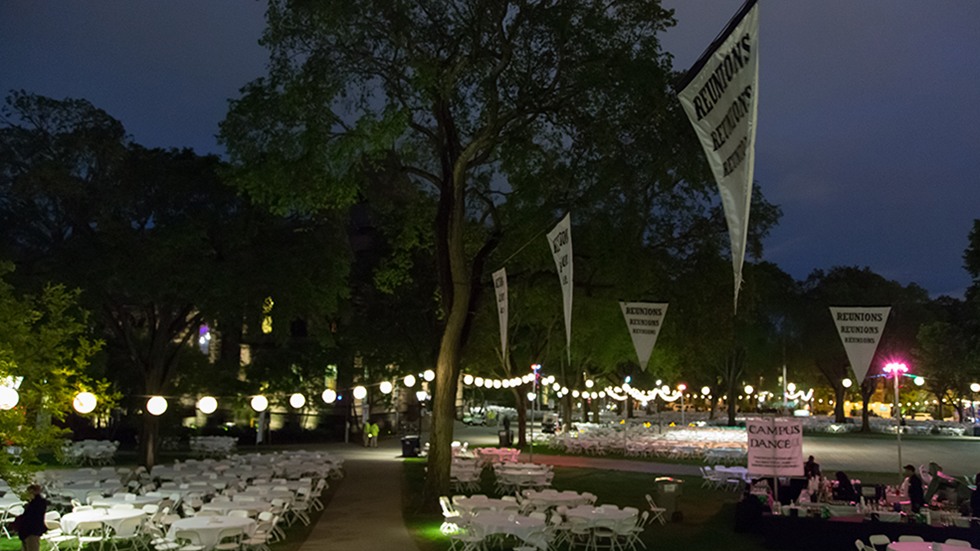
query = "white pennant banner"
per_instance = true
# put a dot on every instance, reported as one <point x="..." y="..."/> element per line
<point x="860" y="329"/>
<point x="560" y="240"/>
<point x="643" y="319"/>
<point x="500" y="291"/>
<point x="720" y="96"/>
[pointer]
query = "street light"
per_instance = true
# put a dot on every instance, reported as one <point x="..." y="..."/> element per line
<point x="896" y="370"/>
<point x="531" y="395"/>
<point x="682" y="387"/>
<point x="974" y="388"/>
<point x="421" y="396"/>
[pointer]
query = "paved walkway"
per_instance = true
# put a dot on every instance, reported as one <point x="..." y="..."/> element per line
<point x="366" y="512"/>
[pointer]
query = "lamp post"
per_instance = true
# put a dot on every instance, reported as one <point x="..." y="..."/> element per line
<point x="682" y="387"/>
<point x="531" y="396"/>
<point x="974" y="388"/>
<point x="421" y="395"/>
<point x="896" y="370"/>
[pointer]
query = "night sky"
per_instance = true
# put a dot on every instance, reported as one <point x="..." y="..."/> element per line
<point x="869" y="124"/>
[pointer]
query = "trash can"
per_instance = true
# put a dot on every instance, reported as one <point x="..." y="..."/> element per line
<point x="410" y="446"/>
<point x="665" y="492"/>
<point x="505" y="438"/>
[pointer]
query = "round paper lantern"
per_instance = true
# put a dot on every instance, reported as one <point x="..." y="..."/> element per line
<point x="409" y="380"/>
<point x="297" y="400"/>
<point x="467" y="379"/>
<point x="85" y="402"/>
<point x="156" y="405"/>
<point x="386" y="387"/>
<point x="360" y="392"/>
<point x="8" y="397"/>
<point x="259" y="403"/>
<point x="207" y="405"/>
<point x="329" y="396"/>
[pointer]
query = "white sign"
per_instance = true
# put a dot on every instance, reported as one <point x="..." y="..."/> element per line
<point x="860" y="329"/>
<point x="560" y="240"/>
<point x="500" y="291"/>
<point x="721" y="97"/>
<point x="643" y="319"/>
<point x="775" y="446"/>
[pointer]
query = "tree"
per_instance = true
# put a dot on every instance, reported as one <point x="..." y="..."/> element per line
<point x="843" y="286"/>
<point x="481" y="105"/>
<point x="157" y="242"/>
<point x="45" y="343"/>
<point x="943" y="358"/>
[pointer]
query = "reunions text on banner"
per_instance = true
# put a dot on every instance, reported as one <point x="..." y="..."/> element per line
<point x="860" y="329"/>
<point x="560" y="240"/>
<point x="500" y="291"/>
<point x="721" y="97"/>
<point x="644" y="320"/>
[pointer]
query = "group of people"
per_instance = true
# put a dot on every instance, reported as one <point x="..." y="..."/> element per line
<point x="941" y="486"/>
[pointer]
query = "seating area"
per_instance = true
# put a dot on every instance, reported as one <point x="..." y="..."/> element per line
<point x="239" y="503"/>
<point x="213" y="446"/>
<point x="89" y="452"/>
<point x="721" y="445"/>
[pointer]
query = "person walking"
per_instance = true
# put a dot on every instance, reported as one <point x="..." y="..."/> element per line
<point x="30" y="524"/>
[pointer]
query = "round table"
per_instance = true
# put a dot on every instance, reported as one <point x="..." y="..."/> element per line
<point x="209" y="528"/>
<point x="924" y="546"/>
<point x="134" y="500"/>
<point x="223" y="507"/>
<point x="545" y="499"/>
<point x="108" y="517"/>
<point x="470" y="505"/>
<point x="594" y="514"/>
<point x="512" y="524"/>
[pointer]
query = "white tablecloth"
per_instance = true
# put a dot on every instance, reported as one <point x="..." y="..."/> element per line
<point x="223" y="507"/>
<point x="594" y="514"/>
<point x="545" y="498"/>
<point x="136" y="501"/>
<point x="109" y="517"/>
<point x="493" y="522"/>
<point x="924" y="546"/>
<point x="470" y="505"/>
<point x="209" y="528"/>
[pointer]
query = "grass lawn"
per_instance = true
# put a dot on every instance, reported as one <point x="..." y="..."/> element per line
<point x="707" y="516"/>
<point x="706" y="520"/>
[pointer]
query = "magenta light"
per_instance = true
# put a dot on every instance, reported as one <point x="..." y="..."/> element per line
<point x="896" y="367"/>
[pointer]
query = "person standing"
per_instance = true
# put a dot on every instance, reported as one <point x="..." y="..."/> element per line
<point x="811" y="469"/>
<point x="30" y="523"/>
<point x="916" y="493"/>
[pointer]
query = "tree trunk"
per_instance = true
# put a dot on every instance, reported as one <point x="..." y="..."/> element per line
<point x="839" y="404"/>
<point x="521" y="418"/>
<point x="867" y="390"/>
<point x="149" y="440"/>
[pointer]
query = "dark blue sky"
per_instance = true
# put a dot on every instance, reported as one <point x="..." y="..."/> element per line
<point x="869" y="123"/>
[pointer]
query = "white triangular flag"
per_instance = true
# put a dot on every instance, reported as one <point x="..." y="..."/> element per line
<point x="860" y="329"/>
<point x="644" y="319"/>
<point x="560" y="240"/>
<point x="720" y="96"/>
